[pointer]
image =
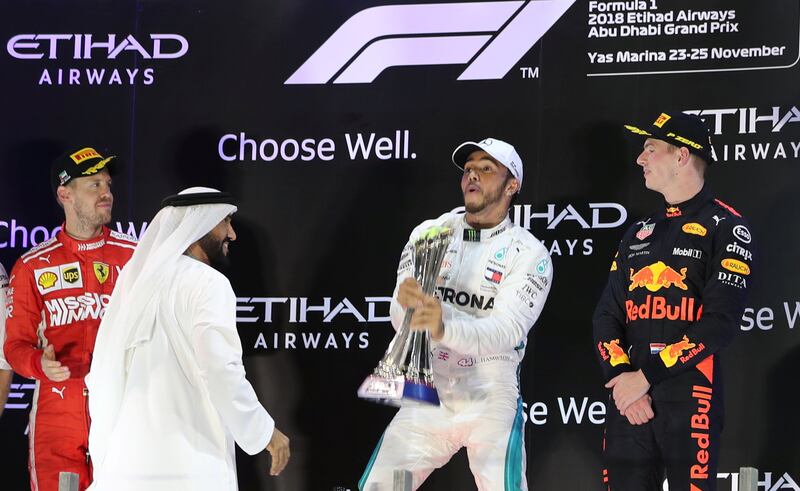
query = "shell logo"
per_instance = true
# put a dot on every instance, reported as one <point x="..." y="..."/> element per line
<point x="694" y="228"/>
<point x="736" y="266"/>
<point x="47" y="279"/>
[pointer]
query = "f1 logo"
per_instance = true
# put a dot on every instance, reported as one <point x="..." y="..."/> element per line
<point x="377" y="38"/>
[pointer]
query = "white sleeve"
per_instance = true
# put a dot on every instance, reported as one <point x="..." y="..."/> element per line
<point x="518" y="303"/>
<point x="3" y="287"/>
<point x="216" y="343"/>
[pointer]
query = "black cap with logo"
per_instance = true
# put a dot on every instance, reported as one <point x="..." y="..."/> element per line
<point x="682" y="130"/>
<point x="79" y="162"/>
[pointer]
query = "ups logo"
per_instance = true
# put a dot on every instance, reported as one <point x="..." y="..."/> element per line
<point x="71" y="275"/>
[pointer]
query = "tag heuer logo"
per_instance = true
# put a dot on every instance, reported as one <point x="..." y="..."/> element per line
<point x="645" y="231"/>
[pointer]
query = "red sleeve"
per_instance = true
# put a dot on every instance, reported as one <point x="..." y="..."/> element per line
<point x="25" y="305"/>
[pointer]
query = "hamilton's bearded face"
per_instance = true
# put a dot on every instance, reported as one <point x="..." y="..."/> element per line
<point x="483" y="182"/>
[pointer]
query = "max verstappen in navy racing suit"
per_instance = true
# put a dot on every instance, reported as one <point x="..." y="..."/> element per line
<point x="58" y="293"/>
<point x="492" y="287"/>
<point x="674" y="300"/>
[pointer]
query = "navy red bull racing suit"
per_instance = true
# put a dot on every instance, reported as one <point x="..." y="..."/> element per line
<point x="57" y="296"/>
<point x="674" y="300"/>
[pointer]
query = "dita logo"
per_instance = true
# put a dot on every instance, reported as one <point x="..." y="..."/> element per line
<point x="490" y="36"/>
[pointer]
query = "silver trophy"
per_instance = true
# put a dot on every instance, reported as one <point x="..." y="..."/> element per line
<point x="405" y="372"/>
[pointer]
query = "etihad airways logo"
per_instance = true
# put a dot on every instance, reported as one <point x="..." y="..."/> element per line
<point x="89" y="46"/>
<point x="377" y="38"/>
<point x="52" y="56"/>
<point x="748" y="120"/>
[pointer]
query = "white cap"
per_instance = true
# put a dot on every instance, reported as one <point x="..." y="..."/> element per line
<point x="498" y="149"/>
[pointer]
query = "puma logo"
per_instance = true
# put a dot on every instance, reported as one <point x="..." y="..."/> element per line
<point x="718" y="219"/>
<point x="59" y="392"/>
<point x="45" y="258"/>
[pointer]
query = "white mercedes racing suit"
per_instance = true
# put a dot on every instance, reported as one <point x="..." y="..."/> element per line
<point x="493" y="285"/>
<point x="3" y="287"/>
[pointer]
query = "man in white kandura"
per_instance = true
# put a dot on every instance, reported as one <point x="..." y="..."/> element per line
<point x="168" y="390"/>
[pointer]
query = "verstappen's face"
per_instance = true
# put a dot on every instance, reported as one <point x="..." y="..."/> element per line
<point x="91" y="199"/>
<point x="659" y="161"/>
<point x="483" y="182"/>
<point x="215" y="244"/>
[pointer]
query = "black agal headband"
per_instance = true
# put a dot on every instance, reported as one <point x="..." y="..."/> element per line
<point x="189" y="199"/>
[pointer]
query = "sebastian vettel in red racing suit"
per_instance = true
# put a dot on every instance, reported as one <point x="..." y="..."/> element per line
<point x="57" y="295"/>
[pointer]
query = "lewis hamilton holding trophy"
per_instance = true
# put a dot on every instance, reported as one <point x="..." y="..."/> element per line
<point x="490" y="290"/>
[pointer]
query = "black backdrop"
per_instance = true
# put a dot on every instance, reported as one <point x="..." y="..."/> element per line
<point x="325" y="228"/>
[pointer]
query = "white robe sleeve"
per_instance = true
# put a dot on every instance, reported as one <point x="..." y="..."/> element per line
<point x="518" y="303"/>
<point x="216" y="344"/>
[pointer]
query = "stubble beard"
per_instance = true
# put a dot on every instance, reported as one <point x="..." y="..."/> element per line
<point x="89" y="218"/>
<point x="215" y="251"/>
<point x="489" y="198"/>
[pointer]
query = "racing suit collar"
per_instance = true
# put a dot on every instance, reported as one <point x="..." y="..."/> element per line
<point x="471" y="234"/>
<point x="76" y="245"/>
<point x="693" y="203"/>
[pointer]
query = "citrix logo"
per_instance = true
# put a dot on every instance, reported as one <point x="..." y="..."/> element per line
<point x="490" y="36"/>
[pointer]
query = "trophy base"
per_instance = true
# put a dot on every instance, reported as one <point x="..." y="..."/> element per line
<point x="383" y="390"/>
<point x="419" y="392"/>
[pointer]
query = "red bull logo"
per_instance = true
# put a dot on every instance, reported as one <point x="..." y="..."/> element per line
<point x="673" y="211"/>
<point x="672" y="352"/>
<point x="657" y="276"/>
<point x="700" y="423"/>
<point x="617" y="354"/>
<point x="656" y="307"/>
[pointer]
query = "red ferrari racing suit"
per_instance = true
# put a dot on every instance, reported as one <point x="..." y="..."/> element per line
<point x="675" y="296"/>
<point x="57" y="295"/>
